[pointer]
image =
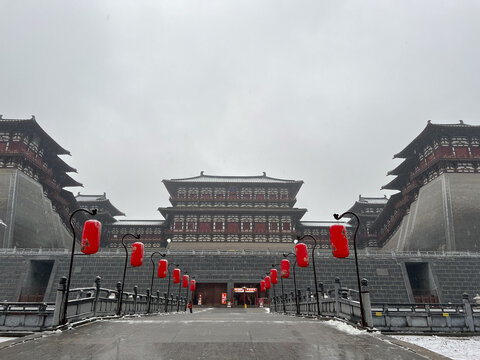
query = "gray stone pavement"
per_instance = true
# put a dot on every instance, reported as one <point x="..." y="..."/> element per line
<point x="208" y="334"/>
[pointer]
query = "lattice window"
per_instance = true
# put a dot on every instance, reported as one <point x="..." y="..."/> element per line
<point x="436" y="144"/>
<point x="178" y="225"/>
<point x="272" y="193"/>
<point x="246" y="226"/>
<point x="460" y="141"/>
<point x="273" y="226"/>
<point x="449" y="168"/>
<point x="218" y="238"/>
<point x="475" y="142"/>
<point x="444" y="141"/>
<point x="427" y="150"/>
<point x="246" y="238"/>
<point x="286" y="226"/>
<point x="260" y="238"/>
<point x="233" y="218"/>
<point x="4" y="136"/>
<point x="193" y="192"/>
<point x="259" y="193"/>
<point x="190" y="238"/>
<point x="283" y="193"/>
<point x="204" y="238"/>
<point x="205" y="218"/>
<point x="233" y="238"/>
<point x="465" y="167"/>
<point x="219" y="193"/>
<point x="17" y="136"/>
<point x="206" y="193"/>
<point x="182" y="192"/>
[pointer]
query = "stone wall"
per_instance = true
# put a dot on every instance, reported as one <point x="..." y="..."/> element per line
<point x="454" y="274"/>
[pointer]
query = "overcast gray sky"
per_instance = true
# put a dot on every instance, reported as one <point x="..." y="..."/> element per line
<point x="320" y="91"/>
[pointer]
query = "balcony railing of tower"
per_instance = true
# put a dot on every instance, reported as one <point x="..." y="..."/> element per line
<point x="392" y="224"/>
<point x="327" y="253"/>
<point x="413" y="185"/>
<point x="232" y="198"/>
<point x="224" y="231"/>
<point x="423" y="166"/>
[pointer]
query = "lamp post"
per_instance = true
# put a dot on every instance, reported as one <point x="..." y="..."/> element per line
<point x="338" y="217"/>
<point x="168" y="287"/>
<point x="179" y="293"/>
<point x="314" y="270"/>
<point x="294" y="280"/>
<point x="283" y="293"/>
<point x="93" y="212"/>
<point x="153" y="270"/>
<point x="119" y="311"/>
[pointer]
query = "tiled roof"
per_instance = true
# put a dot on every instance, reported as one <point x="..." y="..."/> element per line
<point x="202" y="178"/>
<point x="373" y="200"/>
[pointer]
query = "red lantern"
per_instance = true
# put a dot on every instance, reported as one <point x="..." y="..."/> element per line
<point x="176" y="276"/>
<point x="302" y="254"/>
<point x="185" y="281"/>
<point x="339" y="241"/>
<point x="92" y="229"/>
<point x="192" y="285"/>
<point x="137" y="254"/>
<point x="162" y="268"/>
<point x="285" y="269"/>
<point x="268" y="284"/>
<point x="262" y="285"/>
<point x="274" y="276"/>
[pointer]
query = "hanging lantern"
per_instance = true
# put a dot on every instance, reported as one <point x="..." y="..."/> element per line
<point x="137" y="254"/>
<point x="262" y="285"/>
<point x="185" y="281"/>
<point x="176" y="276"/>
<point x="274" y="276"/>
<point x="192" y="285"/>
<point x="268" y="283"/>
<point x="162" y="268"/>
<point x="92" y="230"/>
<point x="302" y="254"/>
<point x="285" y="269"/>
<point x="339" y="241"/>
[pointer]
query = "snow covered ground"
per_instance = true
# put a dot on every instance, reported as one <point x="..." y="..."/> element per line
<point x="457" y="348"/>
<point x="2" y="339"/>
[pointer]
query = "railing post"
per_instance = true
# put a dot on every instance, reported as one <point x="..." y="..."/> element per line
<point x="367" y="305"/>
<point x="148" y="299"/>
<point x="308" y="301"/>
<point x="178" y="301"/>
<point x="62" y="288"/>
<point x="119" y="295"/>
<point x="337" y="296"/>
<point x="158" y="301"/>
<point x="135" y="295"/>
<point x="97" y="294"/>
<point x="165" y="299"/>
<point x="468" y="313"/>
<point x="171" y="302"/>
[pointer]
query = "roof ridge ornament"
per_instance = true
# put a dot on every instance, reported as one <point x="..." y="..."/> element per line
<point x="264" y="173"/>
<point x="201" y="173"/>
<point x="460" y="121"/>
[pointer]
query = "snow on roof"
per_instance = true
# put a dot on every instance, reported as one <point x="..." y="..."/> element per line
<point x="323" y="223"/>
<point x="138" y="223"/>
<point x="373" y="200"/>
<point x="86" y="198"/>
<point x="234" y="179"/>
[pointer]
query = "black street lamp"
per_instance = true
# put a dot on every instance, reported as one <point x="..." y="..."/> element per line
<point x="179" y="293"/>
<point x="314" y="269"/>
<point x="119" y="311"/>
<point x="294" y="280"/>
<point x="153" y="270"/>
<point x="283" y="293"/>
<point x="338" y="217"/>
<point x="93" y="212"/>
<point x="168" y="287"/>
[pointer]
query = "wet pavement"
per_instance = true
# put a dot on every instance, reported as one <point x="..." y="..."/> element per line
<point x="208" y="334"/>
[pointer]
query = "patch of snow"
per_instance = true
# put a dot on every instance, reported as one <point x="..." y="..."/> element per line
<point x="346" y="328"/>
<point x="457" y="348"/>
<point x="267" y="310"/>
<point x="3" y="339"/>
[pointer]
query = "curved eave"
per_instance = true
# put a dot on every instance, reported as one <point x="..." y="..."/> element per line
<point x="67" y="181"/>
<point x="396" y="184"/>
<point x="33" y="126"/>
<point x="105" y="204"/>
<point x="404" y="167"/>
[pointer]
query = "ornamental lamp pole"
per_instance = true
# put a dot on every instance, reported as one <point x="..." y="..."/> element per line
<point x="338" y="217"/>
<point x="283" y="292"/>
<point x="153" y="270"/>
<point x="314" y="270"/>
<point x="93" y="212"/>
<point x="168" y="287"/>
<point x="294" y="280"/>
<point x="119" y="311"/>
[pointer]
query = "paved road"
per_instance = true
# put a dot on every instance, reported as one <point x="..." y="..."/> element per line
<point x="208" y="334"/>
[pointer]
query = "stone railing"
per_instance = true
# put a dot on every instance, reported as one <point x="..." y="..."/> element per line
<point x="400" y="318"/>
<point x="83" y="303"/>
<point x="25" y="316"/>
